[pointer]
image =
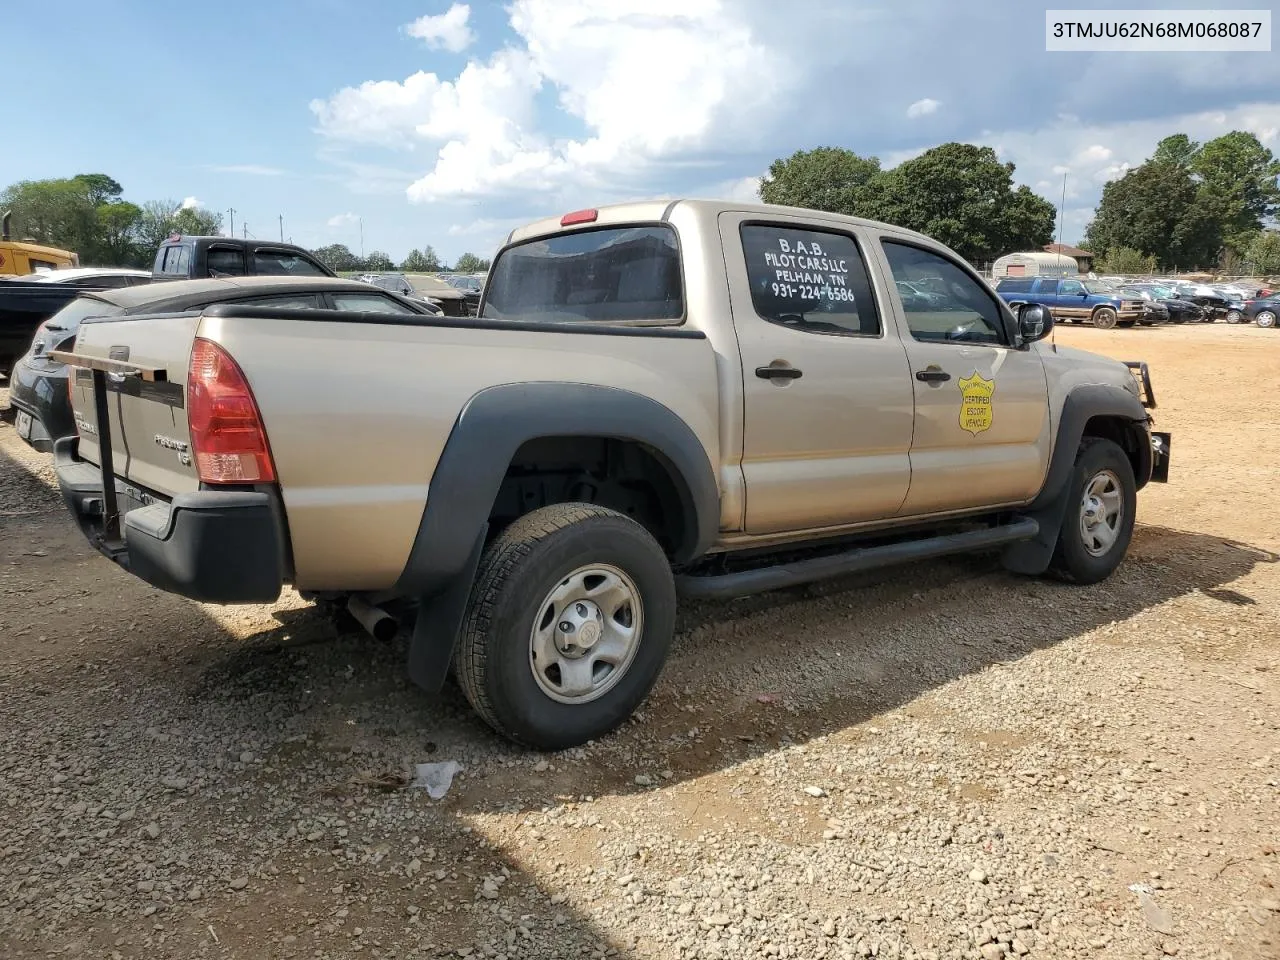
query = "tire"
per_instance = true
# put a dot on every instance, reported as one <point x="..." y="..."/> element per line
<point x="1104" y="318"/>
<point x="542" y="553"/>
<point x="1234" y="316"/>
<point x="1078" y="557"/>
<point x="1266" y="318"/>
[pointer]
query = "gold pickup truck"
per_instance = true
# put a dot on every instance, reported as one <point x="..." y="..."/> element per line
<point x="656" y="399"/>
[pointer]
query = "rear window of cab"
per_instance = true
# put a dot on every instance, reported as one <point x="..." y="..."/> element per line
<point x="604" y="275"/>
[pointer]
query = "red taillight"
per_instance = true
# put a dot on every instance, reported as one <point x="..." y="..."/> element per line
<point x="579" y="216"/>
<point x="227" y="437"/>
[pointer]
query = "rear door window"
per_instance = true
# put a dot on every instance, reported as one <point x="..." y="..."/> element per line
<point x="285" y="301"/>
<point x="284" y="262"/>
<point x="368" y="303"/>
<point x="1048" y="286"/>
<point x="226" y="262"/>
<point x="627" y="273"/>
<point x="810" y="280"/>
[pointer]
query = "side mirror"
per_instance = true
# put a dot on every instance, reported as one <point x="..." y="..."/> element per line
<point x="1034" y="323"/>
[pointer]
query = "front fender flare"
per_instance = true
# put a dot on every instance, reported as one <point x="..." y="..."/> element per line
<point x="1049" y="508"/>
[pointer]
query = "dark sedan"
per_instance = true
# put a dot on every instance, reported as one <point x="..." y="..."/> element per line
<point x="38" y="385"/>
<point x="1180" y="310"/>
<point x="1263" y="312"/>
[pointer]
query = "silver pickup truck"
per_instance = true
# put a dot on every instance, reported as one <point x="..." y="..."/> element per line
<point x="656" y="399"/>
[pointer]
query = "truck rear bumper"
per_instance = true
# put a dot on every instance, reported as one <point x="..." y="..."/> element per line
<point x="214" y="546"/>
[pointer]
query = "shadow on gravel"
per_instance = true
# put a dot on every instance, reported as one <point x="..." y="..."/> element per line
<point x="830" y="655"/>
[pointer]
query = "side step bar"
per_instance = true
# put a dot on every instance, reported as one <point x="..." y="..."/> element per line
<point x="730" y="585"/>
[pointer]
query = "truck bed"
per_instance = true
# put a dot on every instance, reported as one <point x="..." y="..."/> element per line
<point x="358" y="407"/>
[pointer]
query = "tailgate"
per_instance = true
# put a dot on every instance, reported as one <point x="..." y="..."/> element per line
<point x="150" y="442"/>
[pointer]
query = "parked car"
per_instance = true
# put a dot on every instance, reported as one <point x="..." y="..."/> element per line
<point x="1215" y="304"/>
<point x="1074" y="300"/>
<point x="724" y="396"/>
<point x="192" y="258"/>
<point x="38" y="385"/>
<point x="1262" y="311"/>
<point x="1154" y="312"/>
<point x="463" y="281"/>
<point x="25" y="302"/>
<point x="1180" y="311"/>
<point x="397" y="283"/>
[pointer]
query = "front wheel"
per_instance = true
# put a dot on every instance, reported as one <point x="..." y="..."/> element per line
<point x="1102" y="499"/>
<point x="568" y="626"/>
<point x="1234" y="316"/>
<point x="1265" y="318"/>
<point x="1104" y="318"/>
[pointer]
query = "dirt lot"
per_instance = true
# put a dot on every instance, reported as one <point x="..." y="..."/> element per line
<point x="937" y="761"/>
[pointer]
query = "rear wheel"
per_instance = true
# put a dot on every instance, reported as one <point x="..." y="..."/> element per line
<point x="1265" y="318"/>
<point x="1104" y="318"/>
<point x="568" y="626"/>
<point x="1234" y="316"/>
<point x="1101" y="502"/>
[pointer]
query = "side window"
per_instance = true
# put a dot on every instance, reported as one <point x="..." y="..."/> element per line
<point x="1014" y="286"/>
<point x="1071" y="288"/>
<point x="368" y="303"/>
<point x="1048" y="286"/>
<point x="177" y="259"/>
<point x="226" y="262"/>
<point x="809" y="280"/>
<point x="286" y="301"/>
<point x="284" y="262"/>
<point x="961" y="310"/>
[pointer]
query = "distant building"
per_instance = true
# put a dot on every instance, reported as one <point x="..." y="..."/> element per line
<point x="1034" y="264"/>
<point x="1083" y="258"/>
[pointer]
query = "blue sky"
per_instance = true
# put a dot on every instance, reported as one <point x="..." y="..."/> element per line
<point x="447" y="124"/>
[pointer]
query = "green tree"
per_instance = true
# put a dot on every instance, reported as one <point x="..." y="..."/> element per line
<point x="1178" y="150"/>
<point x="415" y="262"/>
<point x="1263" y="254"/>
<point x="470" y="263"/>
<point x="197" y="222"/>
<point x="826" y="178"/>
<point x="1238" y="181"/>
<point x="117" y="233"/>
<point x="963" y="196"/>
<point x="1159" y="210"/>
<point x="1126" y="260"/>
<point x="337" y="257"/>
<point x="378" y="262"/>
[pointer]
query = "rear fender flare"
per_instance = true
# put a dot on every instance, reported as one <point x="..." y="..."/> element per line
<point x="464" y="486"/>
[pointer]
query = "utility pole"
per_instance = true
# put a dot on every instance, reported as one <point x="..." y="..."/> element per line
<point x="244" y="227"/>
<point x="232" y="211"/>
<point x="280" y="217"/>
<point x="361" y="238"/>
<point x="1062" y="214"/>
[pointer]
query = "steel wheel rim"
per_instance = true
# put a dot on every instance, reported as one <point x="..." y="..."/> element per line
<point x="585" y="634"/>
<point x="1104" y="319"/>
<point x="1101" y="513"/>
<point x="1266" y="319"/>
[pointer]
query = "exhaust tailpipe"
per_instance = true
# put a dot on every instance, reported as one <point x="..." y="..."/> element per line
<point x="380" y="624"/>
<point x="4" y="225"/>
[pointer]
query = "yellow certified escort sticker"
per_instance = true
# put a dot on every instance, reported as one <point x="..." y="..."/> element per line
<point x="975" y="403"/>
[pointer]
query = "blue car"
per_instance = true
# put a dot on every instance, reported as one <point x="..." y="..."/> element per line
<point x="1074" y="300"/>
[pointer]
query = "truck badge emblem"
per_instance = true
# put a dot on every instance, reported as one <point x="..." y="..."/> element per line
<point x="975" y="403"/>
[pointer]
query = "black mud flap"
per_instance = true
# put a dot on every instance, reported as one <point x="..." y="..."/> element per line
<point x="440" y="616"/>
<point x="1160" y="443"/>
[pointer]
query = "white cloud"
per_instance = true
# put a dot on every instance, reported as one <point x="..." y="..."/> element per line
<point x="249" y="169"/>
<point x="1095" y="153"/>
<point x="1060" y="169"/>
<point x="922" y="108"/>
<point x="599" y="59"/>
<point x="343" y="220"/>
<point x="191" y="203"/>
<point x="448" y="31"/>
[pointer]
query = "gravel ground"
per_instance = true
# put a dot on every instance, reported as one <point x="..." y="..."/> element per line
<point x="937" y="761"/>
